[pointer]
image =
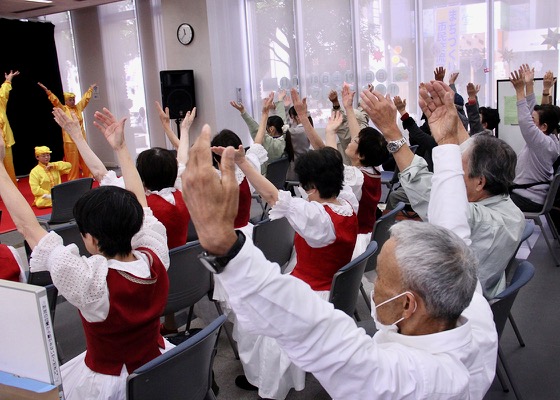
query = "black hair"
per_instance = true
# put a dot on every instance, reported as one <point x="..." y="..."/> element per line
<point x="224" y="138"/>
<point x="490" y="116"/>
<point x="321" y="169"/>
<point x="157" y="168"/>
<point x="550" y="115"/>
<point x="372" y="147"/>
<point x="293" y="114"/>
<point x="111" y="215"/>
<point x="278" y="124"/>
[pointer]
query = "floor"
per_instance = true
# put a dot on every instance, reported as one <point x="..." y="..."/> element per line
<point x="533" y="367"/>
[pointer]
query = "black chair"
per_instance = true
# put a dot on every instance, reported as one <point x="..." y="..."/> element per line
<point x="548" y="204"/>
<point x="346" y="282"/>
<point x="380" y="234"/>
<point x="64" y="197"/>
<point x="501" y="307"/>
<point x="275" y="238"/>
<point x="191" y="232"/>
<point x="184" y="372"/>
<point x="189" y="281"/>
<point x="70" y="235"/>
<point x="276" y="173"/>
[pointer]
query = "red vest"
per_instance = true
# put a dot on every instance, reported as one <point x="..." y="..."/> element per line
<point x="244" y="209"/>
<point x="9" y="268"/>
<point x="316" y="266"/>
<point x="371" y="193"/>
<point x="175" y="218"/>
<point x="130" y="333"/>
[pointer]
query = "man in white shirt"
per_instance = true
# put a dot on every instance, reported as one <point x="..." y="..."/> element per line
<point x="430" y="345"/>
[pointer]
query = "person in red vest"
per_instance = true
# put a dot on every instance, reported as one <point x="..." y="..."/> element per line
<point x="326" y="226"/>
<point x="121" y="290"/>
<point x="11" y="266"/>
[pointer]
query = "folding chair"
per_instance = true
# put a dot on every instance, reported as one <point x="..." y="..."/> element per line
<point x="548" y="203"/>
<point x="64" y="197"/>
<point x="189" y="281"/>
<point x="275" y="238"/>
<point x="70" y="235"/>
<point x="276" y="173"/>
<point x="380" y="235"/>
<point x="501" y="307"/>
<point x="184" y="372"/>
<point x="346" y="282"/>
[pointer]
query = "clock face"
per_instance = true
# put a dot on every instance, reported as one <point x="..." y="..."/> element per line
<point x="185" y="34"/>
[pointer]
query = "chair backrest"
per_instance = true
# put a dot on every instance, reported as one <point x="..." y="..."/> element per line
<point x="502" y="303"/>
<point x="191" y="232"/>
<point x="551" y="195"/>
<point x="71" y="234"/>
<point x="275" y="238"/>
<point x="65" y="196"/>
<point x="41" y="278"/>
<point x="346" y="282"/>
<point x="527" y="232"/>
<point x="380" y="232"/>
<point x="276" y="172"/>
<point x="189" y="280"/>
<point x="184" y="372"/>
<point x="52" y="298"/>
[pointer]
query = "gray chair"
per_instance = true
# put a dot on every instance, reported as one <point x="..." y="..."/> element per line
<point x="64" y="197"/>
<point x="276" y="173"/>
<point x="548" y="203"/>
<point x="346" y="282"/>
<point x="190" y="281"/>
<point x="501" y="307"/>
<point x="184" y="372"/>
<point x="380" y="235"/>
<point x="275" y="238"/>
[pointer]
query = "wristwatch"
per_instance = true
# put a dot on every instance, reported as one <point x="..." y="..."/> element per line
<point x="216" y="264"/>
<point x="394" y="145"/>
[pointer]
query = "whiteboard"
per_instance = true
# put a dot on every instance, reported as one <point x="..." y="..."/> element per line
<point x="508" y="128"/>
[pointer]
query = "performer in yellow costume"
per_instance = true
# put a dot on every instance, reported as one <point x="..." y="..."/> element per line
<point x="70" y="106"/>
<point x="7" y="133"/>
<point x="45" y="175"/>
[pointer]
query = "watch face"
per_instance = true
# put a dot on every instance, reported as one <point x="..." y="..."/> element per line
<point x="185" y="34"/>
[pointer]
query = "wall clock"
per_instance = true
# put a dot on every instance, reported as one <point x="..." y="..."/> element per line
<point x="185" y="34"/>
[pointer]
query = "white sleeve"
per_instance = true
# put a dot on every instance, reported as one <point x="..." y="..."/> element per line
<point x="354" y="178"/>
<point x="308" y="218"/>
<point x="257" y="155"/>
<point x="448" y="205"/>
<point x="111" y="179"/>
<point x="153" y="236"/>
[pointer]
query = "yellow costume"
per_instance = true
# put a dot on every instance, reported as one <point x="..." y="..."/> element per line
<point x="7" y="133"/>
<point x="71" y="153"/>
<point x="42" y="178"/>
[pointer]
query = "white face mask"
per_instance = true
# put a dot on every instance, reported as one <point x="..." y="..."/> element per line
<point x="382" y="327"/>
<point x="302" y="192"/>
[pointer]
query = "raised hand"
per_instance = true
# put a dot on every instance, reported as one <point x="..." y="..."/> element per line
<point x="347" y="96"/>
<point x="453" y="78"/>
<point x="70" y="124"/>
<point x="268" y="103"/>
<point x="11" y="75"/>
<point x="163" y="115"/>
<point x="299" y="104"/>
<point x="112" y="129"/>
<point x="436" y="101"/>
<point x="400" y="104"/>
<point x="238" y="106"/>
<point x="439" y="74"/>
<point x="333" y="96"/>
<point x="548" y="81"/>
<point x="516" y="78"/>
<point x="382" y="113"/>
<point x="92" y="86"/>
<point x="239" y="154"/>
<point x="188" y="120"/>
<point x="43" y="86"/>
<point x="335" y="120"/>
<point x="281" y="95"/>
<point x="528" y="73"/>
<point x="472" y="90"/>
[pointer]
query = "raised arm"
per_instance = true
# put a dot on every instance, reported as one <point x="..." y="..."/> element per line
<point x="113" y="130"/>
<point x="335" y="120"/>
<point x="267" y="105"/>
<point x="86" y="97"/>
<point x="473" y="114"/>
<point x="52" y="97"/>
<point x="18" y="208"/>
<point x="348" y="102"/>
<point x="439" y="74"/>
<point x="72" y="126"/>
<point x="251" y="123"/>
<point x="548" y="83"/>
<point x="416" y="135"/>
<point x="166" y="124"/>
<point x="528" y="78"/>
<point x="184" y="144"/>
<point x="300" y="106"/>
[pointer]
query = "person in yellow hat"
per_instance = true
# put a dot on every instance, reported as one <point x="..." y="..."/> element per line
<point x="7" y="133"/>
<point x="45" y="175"/>
<point x="70" y="106"/>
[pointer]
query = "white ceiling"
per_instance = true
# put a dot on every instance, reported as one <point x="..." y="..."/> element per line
<point x="25" y="9"/>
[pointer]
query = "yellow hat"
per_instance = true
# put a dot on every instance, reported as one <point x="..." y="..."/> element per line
<point x="68" y="95"/>
<point x="42" y="150"/>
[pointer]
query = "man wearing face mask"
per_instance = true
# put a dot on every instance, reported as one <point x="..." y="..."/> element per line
<point x="437" y="338"/>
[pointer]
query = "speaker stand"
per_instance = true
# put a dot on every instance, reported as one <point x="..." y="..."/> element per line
<point x="178" y="122"/>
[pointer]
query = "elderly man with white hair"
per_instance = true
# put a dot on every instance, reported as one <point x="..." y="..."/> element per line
<point x="436" y="337"/>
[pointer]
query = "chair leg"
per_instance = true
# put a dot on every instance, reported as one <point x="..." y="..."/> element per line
<point x="366" y="297"/>
<point x="228" y="333"/>
<point x="551" y="226"/>
<point x="508" y="374"/>
<point x="539" y="223"/>
<point x="516" y="330"/>
<point x="501" y="378"/>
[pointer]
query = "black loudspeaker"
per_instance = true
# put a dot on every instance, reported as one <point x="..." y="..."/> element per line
<point x="177" y="92"/>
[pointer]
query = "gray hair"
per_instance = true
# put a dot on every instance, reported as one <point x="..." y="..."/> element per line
<point x="437" y="265"/>
<point x="493" y="159"/>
